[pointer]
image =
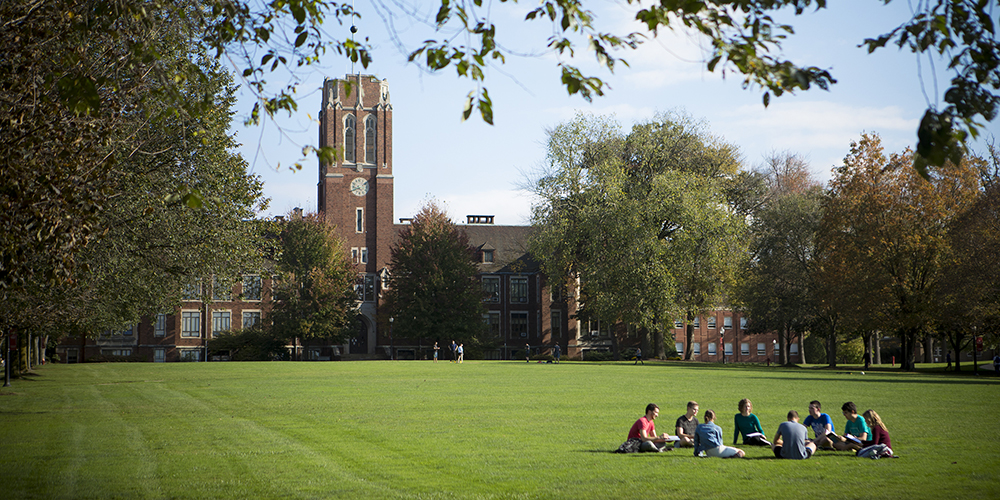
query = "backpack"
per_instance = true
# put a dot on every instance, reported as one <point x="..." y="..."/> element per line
<point x="875" y="452"/>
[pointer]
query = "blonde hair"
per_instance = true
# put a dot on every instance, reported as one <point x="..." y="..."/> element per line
<point x="874" y="420"/>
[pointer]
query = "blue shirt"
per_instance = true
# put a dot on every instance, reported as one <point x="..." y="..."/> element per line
<point x="819" y="424"/>
<point x="706" y="437"/>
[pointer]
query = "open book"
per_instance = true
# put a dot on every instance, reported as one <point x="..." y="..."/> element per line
<point x="756" y="434"/>
<point x="852" y="439"/>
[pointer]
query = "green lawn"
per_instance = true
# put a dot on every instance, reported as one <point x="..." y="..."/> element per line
<point x="415" y="429"/>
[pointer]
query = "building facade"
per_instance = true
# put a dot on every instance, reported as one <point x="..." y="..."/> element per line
<point x="524" y="311"/>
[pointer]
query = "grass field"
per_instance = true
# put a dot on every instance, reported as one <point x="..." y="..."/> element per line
<point x="478" y="430"/>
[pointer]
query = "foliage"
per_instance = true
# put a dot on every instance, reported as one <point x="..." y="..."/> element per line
<point x="641" y="220"/>
<point x="275" y="423"/>
<point x="743" y="38"/>
<point x="138" y="163"/>
<point x="433" y="290"/>
<point x="250" y="344"/>
<point x="778" y="290"/>
<point x="314" y="294"/>
<point x="888" y="224"/>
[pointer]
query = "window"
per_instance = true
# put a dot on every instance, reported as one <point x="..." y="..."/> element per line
<point x="355" y="254"/>
<point x="370" y="139"/>
<point x="794" y="348"/>
<point x="678" y="323"/>
<point x="160" y="327"/>
<point x="251" y="287"/>
<point x="220" y="322"/>
<point x="556" y="325"/>
<point x="221" y="290"/>
<point x="711" y="321"/>
<point x="743" y="323"/>
<point x="679" y="347"/>
<point x="487" y="256"/>
<point x="519" y="290"/>
<point x="556" y="293"/>
<point x="190" y="354"/>
<point x="697" y="321"/>
<point x="350" y="126"/>
<point x="760" y="349"/>
<point x="116" y="352"/>
<point x="711" y="349"/>
<point x="491" y="289"/>
<point x="492" y="320"/>
<point x="191" y="324"/>
<point x="191" y="291"/>
<point x="369" y="283"/>
<point x="159" y="355"/>
<point x="745" y="348"/>
<point x="359" y="220"/>
<point x="518" y="324"/>
<point x="728" y="349"/>
<point x="364" y="255"/>
<point x="250" y="318"/>
<point x="127" y="331"/>
<point x="777" y="348"/>
<point x="696" y="347"/>
<point x="727" y="322"/>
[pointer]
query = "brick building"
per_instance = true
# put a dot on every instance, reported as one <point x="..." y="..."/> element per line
<point x="355" y="193"/>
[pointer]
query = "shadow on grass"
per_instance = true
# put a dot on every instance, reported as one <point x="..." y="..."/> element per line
<point x="807" y="373"/>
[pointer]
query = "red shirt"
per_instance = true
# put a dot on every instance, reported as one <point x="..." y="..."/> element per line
<point x="639" y="425"/>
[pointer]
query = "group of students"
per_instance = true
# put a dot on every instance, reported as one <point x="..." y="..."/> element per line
<point x="864" y="434"/>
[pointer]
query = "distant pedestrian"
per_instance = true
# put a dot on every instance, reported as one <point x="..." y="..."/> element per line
<point x="527" y="353"/>
<point x="461" y="353"/>
<point x="769" y="361"/>
<point x="638" y="356"/>
<point x="454" y="348"/>
<point x="947" y="357"/>
<point x="436" y="349"/>
<point x="558" y="352"/>
<point x="868" y="360"/>
<point x="996" y="364"/>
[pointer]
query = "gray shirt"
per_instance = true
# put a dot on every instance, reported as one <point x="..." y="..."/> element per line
<point x="793" y="440"/>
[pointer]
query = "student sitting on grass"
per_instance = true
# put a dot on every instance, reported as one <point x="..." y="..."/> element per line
<point x="879" y="434"/>
<point x="821" y="424"/>
<point x="708" y="439"/>
<point x="686" y="425"/>
<point x="855" y="427"/>
<point x="748" y="425"/>
<point x="642" y="436"/>
<point x="790" y="439"/>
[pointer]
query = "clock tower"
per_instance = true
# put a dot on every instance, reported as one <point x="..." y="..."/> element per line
<point x="355" y="193"/>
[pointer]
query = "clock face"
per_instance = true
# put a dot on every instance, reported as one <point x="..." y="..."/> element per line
<point x="359" y="187"/>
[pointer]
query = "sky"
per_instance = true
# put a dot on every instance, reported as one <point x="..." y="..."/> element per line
<point x="473" y="168"/>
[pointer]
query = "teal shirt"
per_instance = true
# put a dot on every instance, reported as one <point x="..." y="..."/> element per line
<point x="746" y="425"/>
<point x="858" y="427"/>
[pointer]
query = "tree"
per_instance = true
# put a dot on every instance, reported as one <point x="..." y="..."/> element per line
<point x="743" y="37"/>
<point x="314" y="296"/>
<point x="138" y="239"/>
<point x="778" y="290"/>
<point x="433" y="285"/>
<point x="889" y="225"/>
<point x="641" y="221"/>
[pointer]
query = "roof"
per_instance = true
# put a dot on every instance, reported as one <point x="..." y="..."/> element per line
<point x="508" y="243"/>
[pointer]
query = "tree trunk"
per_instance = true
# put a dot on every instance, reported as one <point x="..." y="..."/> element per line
<point x="928" y="348"/>
<point x="802" y="348"/>
<point x="615" y="352"/>
<point x="831" y="348"/>
<point x="782" y="341"/>
<point x="689" y="331"/>
<point x="659" y="343"/>
<point x="877" y="357"/>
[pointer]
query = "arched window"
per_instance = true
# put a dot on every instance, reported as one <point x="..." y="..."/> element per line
<point x="370" y="139"/>
<point x="350" y="127"/>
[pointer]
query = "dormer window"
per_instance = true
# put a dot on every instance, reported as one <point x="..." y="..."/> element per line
<point x="487" y="256"/>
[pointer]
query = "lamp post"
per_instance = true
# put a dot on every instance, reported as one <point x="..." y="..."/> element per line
<point x="392" y="348"/>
